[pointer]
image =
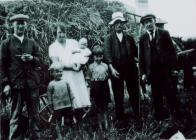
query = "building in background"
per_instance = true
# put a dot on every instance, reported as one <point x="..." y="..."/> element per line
<point x="141" y="7"/>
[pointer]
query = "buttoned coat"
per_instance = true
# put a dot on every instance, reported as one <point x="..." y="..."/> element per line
<point x="165" y="48"/>
<point x="121" y="55"/>
<point x="16" y="72"/>
<point x="112" y="54"/>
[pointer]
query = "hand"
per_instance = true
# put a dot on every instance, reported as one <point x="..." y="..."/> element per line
<point x="142" y="96"/>
<point x="174" y="73"/>
<point x="144" y="78"/>
<point x="147" y="97"/>
<point x="76" y="67"/>
<point x="114" y="72"/>
<point x="26" y="57"/>
<point x="88" y="82"/>
<point x="7" y="90"/>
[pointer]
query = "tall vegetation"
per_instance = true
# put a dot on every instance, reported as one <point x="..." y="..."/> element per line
<point x="83" y="18"/>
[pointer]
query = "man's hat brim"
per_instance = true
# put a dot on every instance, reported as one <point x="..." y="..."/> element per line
<point x="19" y="17"/>
<point x="117" y="19"/>
<point x="147" y="17"/>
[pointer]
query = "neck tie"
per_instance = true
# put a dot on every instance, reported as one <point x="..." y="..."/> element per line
<point x="151" y="33"/>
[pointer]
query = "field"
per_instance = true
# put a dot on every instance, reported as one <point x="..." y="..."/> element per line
<point x="130" y="129"/>
<point x="87" y="128"/>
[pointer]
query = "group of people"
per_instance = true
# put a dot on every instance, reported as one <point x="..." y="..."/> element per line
<point x="116" y="59"/>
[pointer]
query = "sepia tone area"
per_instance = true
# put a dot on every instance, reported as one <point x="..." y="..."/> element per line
<point x="90" y="19"/>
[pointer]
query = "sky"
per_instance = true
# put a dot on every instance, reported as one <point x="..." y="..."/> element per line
<point x="180" y="15"/>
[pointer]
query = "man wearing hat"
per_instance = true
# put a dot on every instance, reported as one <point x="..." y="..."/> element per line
<point x="157" y="60"/>
<point x="120" y="52"/>
<point x="20" y="79"/>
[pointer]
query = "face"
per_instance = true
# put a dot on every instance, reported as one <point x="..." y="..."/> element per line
<point x="19" y="27"/>
<point x="98" y="58"/>
<point x="118" y="26"/>
<point x="149" y="24"/>
<point x="57" y="74"/>
<point x="61" y="35"/>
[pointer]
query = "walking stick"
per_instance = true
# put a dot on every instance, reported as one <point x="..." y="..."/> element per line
<point x="139" y="34"/>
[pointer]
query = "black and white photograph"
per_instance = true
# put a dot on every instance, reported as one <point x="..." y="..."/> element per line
<point x="97" y="69"/>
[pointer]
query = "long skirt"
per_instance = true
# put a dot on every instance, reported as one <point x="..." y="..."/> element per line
<point x="78" y="88"/>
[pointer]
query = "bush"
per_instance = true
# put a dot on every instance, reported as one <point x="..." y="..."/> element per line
<point x="87" y="18"/>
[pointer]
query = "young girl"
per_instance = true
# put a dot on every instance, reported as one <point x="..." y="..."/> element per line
<point x="99" y="87"/>
<point x="60" y="98"/>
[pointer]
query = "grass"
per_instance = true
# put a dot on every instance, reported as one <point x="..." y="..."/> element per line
<point x="130" y="129"/>
<point x="88" y="128"/>
<point x="145" y="129"/>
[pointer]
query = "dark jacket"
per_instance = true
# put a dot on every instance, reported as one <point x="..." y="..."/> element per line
<point x="14" y="71"/>
<point x="112" y="52"/>
<point x="167" y="55"/>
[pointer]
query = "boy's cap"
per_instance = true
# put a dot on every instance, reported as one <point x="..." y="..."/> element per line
<point x="19" y="17"/>
<point x="146" y="17"/>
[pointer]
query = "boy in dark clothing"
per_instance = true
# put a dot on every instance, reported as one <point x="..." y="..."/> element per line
<point x="99" y="89"/>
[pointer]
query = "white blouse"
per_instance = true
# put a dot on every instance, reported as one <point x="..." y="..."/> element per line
<point x="64" y="53"/>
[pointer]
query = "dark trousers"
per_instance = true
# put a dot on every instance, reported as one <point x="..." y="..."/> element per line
<point x="67" y="113"/>
<point x="100" y="94"/>
<point x="162" y="86"/>
<point x="129" y="75"/>
<point x="188" y="76"/>
<point x="29" y="97"/>
<point x="4" y="128"/>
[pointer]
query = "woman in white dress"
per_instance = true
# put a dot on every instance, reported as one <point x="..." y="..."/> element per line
<point x="62" y="50"/>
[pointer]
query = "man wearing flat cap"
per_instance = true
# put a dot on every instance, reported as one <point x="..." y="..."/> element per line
<point x="20" y="79"/>
<point x="157" y="61"/>
<point x="120" y="52"/>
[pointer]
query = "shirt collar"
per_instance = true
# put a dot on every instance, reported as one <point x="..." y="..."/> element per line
<point x="154" y="31"/>
<point x="120" y="36"/>
<point x="21" y="38"/>
<point x="58" y="43"/>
